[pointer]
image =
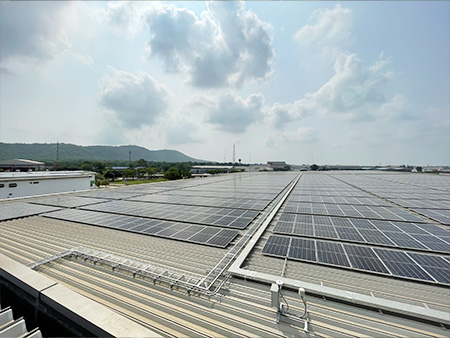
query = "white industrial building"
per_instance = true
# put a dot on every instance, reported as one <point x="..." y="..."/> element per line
<point x="21" y="184"/>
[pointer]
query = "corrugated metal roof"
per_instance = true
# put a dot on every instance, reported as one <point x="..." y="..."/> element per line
<point x="243" y="306"/>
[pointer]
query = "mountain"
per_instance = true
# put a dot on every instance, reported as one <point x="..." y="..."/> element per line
<point x="46" y="152"/>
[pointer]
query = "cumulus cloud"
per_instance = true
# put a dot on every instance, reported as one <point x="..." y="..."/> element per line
<point x="328" y="26"/>
<point x="126" y="17"/>
<point x="33" y="34"/>
<point x="134" y="99"/>
<point x="226" y="45"/>
<point x="234" y="114"/>
<point x="355" y="91"/>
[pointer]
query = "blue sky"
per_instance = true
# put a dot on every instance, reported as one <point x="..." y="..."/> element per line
<point x="324" y="82"/>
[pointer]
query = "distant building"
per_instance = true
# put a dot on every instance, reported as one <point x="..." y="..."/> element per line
<point x="202" y="169"/>
<point x="21" y="184"/>
<point x="21" y="165"/>
<point x="279" y="166"/>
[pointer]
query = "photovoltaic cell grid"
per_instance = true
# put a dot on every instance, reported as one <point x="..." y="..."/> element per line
<point x="426" y="204"/>
<point x="224" y="194"/>
<point x="67" y="201"/>
<point x="442" y="216"/>
<point x="410" y="191"/>
<point x="233" y="218"/>
<point x="111" y="194"/>
<point x="204" y="201"/>
<point x="359" y="211"/>
<point x="424" y="267"/>
<point x="338" y="200"/>
<point x="22" y="209"/>
<point x="173" y="230"/>
<point x="427" y="237"/>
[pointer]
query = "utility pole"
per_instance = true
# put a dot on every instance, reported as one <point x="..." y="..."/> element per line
<point x="234" y="153"/>
<point x="129" y="158"/>
<point x="57" y="151"/>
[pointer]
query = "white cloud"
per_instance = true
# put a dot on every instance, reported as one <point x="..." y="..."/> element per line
<point x="226" y="45"/>
<point x="126" y="17"/>
<point x="33" y="34"/>
<point x="355" y="91"/>
<point x="328" y="27"/>
<point x="135" y="99"/>
<point x="234" y="114"/>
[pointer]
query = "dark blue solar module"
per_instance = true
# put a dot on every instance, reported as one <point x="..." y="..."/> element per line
<point x="201" y="234"/>
<point x="403" y="264"/>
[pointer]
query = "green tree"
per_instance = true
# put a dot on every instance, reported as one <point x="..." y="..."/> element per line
<point x="314" y="167"/>
<point x="142" y="163"/>
<point x="129" y="173"/>
<point x="151" y="171"/>
<point x="172" y="173"/>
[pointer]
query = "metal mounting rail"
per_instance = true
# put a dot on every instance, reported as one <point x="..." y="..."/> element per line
<point x="135" y="267"/>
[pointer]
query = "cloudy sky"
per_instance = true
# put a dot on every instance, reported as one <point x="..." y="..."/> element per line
<point x="302" y="82"/>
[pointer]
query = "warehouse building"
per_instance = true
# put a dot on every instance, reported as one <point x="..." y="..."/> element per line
<point x="22" y="184"/>
<point x="278" y="254"/>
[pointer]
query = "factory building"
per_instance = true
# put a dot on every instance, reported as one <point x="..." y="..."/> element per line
<point x="22" y="184"/>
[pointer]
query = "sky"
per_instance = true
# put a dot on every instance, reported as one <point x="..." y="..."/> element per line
<point x="303" y="82"/>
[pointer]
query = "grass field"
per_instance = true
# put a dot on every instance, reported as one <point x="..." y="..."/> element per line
<point x="132" y="182"/>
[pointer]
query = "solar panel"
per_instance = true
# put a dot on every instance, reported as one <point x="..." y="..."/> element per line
<point x="303" y="249"/>
<point x="364" y="258"/>
<point x="436" y="266"/>
<point x="331" y="253"/>
<point x="167" y="229"/>
<point x="400" y="264"/>
<point x="349" y="234"/>
<point x="277" y="246"/>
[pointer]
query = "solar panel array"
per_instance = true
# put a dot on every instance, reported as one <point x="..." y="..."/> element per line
<point x="224" y="194"/>
<point x="363" y="211"/>
<point x="429" y="237"/>
<point x="379" y="212"/>
<point x="174" y="230"/>
<point x="22" y="209"/>
<point x="233" y="218"/>
<point x="428" y="195"/>
<point x="238" y="203"/>
<point x="404" y="264"/>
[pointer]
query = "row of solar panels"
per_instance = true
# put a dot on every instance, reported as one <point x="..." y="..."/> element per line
<point x="233" y="218"/>
<point x="412" y="265"/>
<point x="192" y="233"/>
<point x="339" y="200"/>
<point x="428" y="237"/>
<point x="442" y="216"/>
<point x="361" y="211"/>
<point x="240" y="203"/>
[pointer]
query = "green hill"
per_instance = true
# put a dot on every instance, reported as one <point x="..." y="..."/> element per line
<point x="46" y="152"/>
